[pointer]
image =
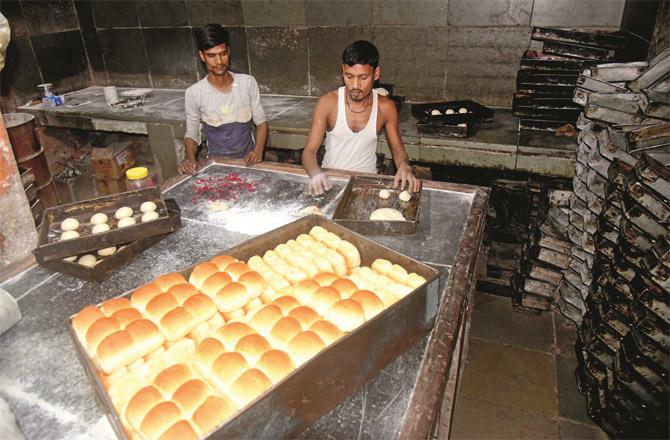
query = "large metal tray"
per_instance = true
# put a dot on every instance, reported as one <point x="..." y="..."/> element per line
<point x="49" y="248"/>
<point x="336" y="372"/>
<point x="361" y="198"/>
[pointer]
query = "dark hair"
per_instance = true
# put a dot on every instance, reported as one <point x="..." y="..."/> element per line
<point x="361" y="52"/>
<point x="211" y="35"/>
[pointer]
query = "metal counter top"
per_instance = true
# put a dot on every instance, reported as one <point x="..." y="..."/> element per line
<point x="45" y="385"/>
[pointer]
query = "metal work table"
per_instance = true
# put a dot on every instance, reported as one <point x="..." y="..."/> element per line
<point x="45" y="385"/>
<point x="495" y="145"/>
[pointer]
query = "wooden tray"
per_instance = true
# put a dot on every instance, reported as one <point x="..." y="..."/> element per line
<point x="50" y="248"/>
<point x="361" y="198"/>
<point x="108" y="265"/>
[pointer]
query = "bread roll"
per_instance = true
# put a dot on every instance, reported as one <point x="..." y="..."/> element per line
<point x="344" y="287"/>
<point x="159" y="419"/>
<point x="208" y="350"/>
<point x="83" y="320"/>
<point x="322" y="263"/>
<point x="397" y="273"/>
<point x="178" y="352"/>
<point x="168" y="280"/>
<point x="304" y="346"/>
<point x="350" y="254"/>
<point x="201" y="272"/>
<point x="141" y="403"/>
<point x="318" y="233"/>
<point x="251" y="384"/>
<point x="295" y="275"/>
<point x="381" y="266"/>
<point x="182" y="430"/>
<point x="235" y="315"/>
<point x="346" y="314"/>
<point x="325" y="278"/>
<point x="99" y="330"/>
<point x="112" y="305"/>
<point x="304" y="264"/>
<point x="285" y="303"/>
<point x="226" y="369"/>
<point x="190" y="395"/>
<point x="146" y="336"/>
<point x="283" y="250"/>
<point x="359" y="281"/>
<point x="170" y="379"/>
<point x="115" y="351"/>
<point x="370" y="302"/>
<point x="276" y="365"/>
<point x="232" y="332"/>
<point x="256" y="263"/>
<point x="252" y="347"/>
<point x="414" y="280"/>
<point x="284" y="330"/>
<point x="160" y="306"/>
<point x="176" y="323"/>
<point x="223" y="261"/>
<point x="331" y="240"/>
<point x="327" y="331"/>
<point x="254" y="283"/>
<point x="386" y="297"/>
<point x="338" y="262"/>
<point x="214" y="283"/>
<point x="277" y="282"/>
<point x="231" y="297"/>
<point x="252" y="306"/>
<point x="306" y="316"/>
<point x="237" y="269"/>
<point x="201" y="307"/>
<point x="304" y="290"/>
<point x="323" y="298"/>
<point x="142" y="295"/>
<point x="265" y="318"/>
<point x="213" y="412"/>
<point x="182" y="292"/>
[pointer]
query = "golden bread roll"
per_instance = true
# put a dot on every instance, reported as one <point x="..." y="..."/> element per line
<point x="367" y="273"/>
<point x="273" y="260"/>
<point x="83" y="320"/>
<point x="235" y="315"/>
<point x="146" y="336"/>
<point x="304" y="346"/>
<point x="338" y="262"/>
<point x="325" y="278"/>
<point x="141" y="403"/>
<point x="201" y="272"/>
<point x="294" y="275"/>
<point x="142" y="295"/>
<point x="350" y="254"/>
<point x="201" y="307"/>
<point x="170" y="379"/>
<point x="370" y="302"/>
<point x="115" y="351"/>
<point x="208" y="350"/>
<point x="322" y="263"/>
<point x="182" y="292"/>
<point x="276" y="365"/>
<point x="277" y="282"/>
<point x="215" y="283"/>
<point x="237" y="269"/>
<point x="213" y="412"/>
<point x="300" y="249"/>
<point x="126" y="316"/>
<point x="344" y="287"/>
<point x="98" y="331"/>
<point x="386" y="297"/>
<point x="176" y="323"/>
<point x="252" y="347"/>
<point x="254" y="283"/>
<point x="252" y="306"/>
<point x="283" y="250"/>
<point x="304" y="240"/>
<point x="331" y="240"/>
<point x="200" y="332"/>
<point x="400" y="290"/>
<point x="415" y="280"/>
<point x="318" y="233"/>
<point x="177" y="352"/>
<point x="232" y="332"/>
<point x="381" y="266"/>
<point x="397" y="273"/>
<point x="223" y="261"/>
<point x="182" y="430"/>
<point x="226" y="369"/>
<point x="232" y="297"/>
<point x="327" y="331"/>
<point x="304" y="290"/>
<point x="251" y="384"/>
<point x="216" y="321"/>
<point x="284" y="330"/>
<point x="265" y="318"/>
<point x="286" y="303"/>
<point x="190" y="395"/>
<point x="159" y="419"/>
<point x="160" y="306"/>
<point x="359" y="281"/>
<point x="323" y="298"/>
<point x="256" y="263"/>
<point x="168" y="280"/>
<point x="306" y="316"/>
<point x="112" y="305"/>
<point x="268" y="295"/>
<point x="346" y="314"/>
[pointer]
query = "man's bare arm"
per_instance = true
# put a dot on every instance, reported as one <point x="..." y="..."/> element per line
<point x="404" y="175"/>
<point x="256" y="155"/>
<point x="189" y="165"/>
<point x="318" y="182"/>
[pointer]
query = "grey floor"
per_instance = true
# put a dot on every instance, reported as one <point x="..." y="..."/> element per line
<point x="519" y="378"/>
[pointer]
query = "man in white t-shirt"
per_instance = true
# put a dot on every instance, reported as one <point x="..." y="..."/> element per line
<point x="224" y="104"/>
<point x="351" y="118"/>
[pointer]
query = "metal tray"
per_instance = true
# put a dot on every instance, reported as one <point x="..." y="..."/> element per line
<point x="476" y="112"/>
<point x="107" y="265"/>
<point x="361" y="198"/>
<point x="337" y="371"/>
<point x="49" y="248"/>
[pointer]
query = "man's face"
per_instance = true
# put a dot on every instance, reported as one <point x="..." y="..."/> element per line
<point x="358" y="80"/>
<point x="217" y="59"/>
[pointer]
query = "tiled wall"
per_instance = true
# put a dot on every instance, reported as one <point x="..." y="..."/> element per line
<point x="430" y="49"/>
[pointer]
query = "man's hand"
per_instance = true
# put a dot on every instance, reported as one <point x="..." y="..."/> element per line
<point x="255" y="156"/>
<point x="318" y="184"/>
<point x="406" y="176"/>
<point x="188" y="166"/>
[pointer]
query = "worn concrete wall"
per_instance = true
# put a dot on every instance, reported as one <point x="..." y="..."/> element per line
<point x="430" y="49"/>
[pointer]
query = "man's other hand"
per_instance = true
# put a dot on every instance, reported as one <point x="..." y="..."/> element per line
<point x="188" y="166"/>
<point x="318" y="184"/>
<point x="405" y="176"/>
<point x="255" y="156"/>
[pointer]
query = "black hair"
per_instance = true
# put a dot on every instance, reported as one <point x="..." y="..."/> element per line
<point x="361" y="52"/>
<point x="211" y="35"/>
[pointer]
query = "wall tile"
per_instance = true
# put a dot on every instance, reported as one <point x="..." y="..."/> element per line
<point x="483" y="63"/>
<point x="163" y="13"/>
<point x="225" y="12"/>
<point x="12" y="11"/>
<point x="125" y="58"/>
<point x="415" y="13"/>
<point x="114" y="14"/>
<point x="338" y="13"/>
<point x="273" y="12"/>
<point x="575" y="13"/>
<point x="91" y="42"/>
<point x="414" y="59"/>
<point x="45" y="17"/>
<point x="238" y="46"/>
<point x="326" y="45"/>
<point x="490" y="12"/>
<point x="170" y="53"/>
<point x="278" y="59"/>
<point x="20" y="76"/>
<point x="62" y="59"/>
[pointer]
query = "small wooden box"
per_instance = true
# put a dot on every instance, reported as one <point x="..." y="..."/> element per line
<point x="112" y="161"/>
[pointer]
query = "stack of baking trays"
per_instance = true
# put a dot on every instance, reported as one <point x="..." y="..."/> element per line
<point x="93" y="238"/>
<point x="547" y="79"/>
<point x="451" y="118"/>
<point x="28" y="182"/>
<point x="257" y="342"/>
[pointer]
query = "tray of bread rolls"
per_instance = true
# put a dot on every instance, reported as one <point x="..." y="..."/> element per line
<point x="89" y="225"/>
<point x="98" y="265"/>
<point x="257" y="342"/>
<point x="370" y="205"/>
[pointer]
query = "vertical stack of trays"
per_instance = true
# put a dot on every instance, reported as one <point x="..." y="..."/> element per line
<point x="28" y="182"/>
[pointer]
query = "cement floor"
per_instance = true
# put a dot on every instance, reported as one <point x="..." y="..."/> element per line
<point x="518" y="380"/>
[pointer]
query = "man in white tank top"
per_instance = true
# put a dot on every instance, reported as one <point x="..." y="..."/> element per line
<point x="351" y="118"/>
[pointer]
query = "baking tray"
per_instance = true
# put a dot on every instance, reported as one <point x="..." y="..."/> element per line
<point x="48" y="249"/>
<point x="361" y="197"/>
<point x="108" y="265"/>
<point x="476" y="112"/>
<point x="336" y="372"/>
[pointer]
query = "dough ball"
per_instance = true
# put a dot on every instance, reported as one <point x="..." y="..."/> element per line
<point x="405" y="196"/>
<point x="123" y="212"/>
<point x="387" y="214"/>
<point x="106" y="252"/>
<point x="381" y="91"/>
<point x="462" y="125"/>
<point x="436" y="113"/>
<point x="69" y="224"/>
<point x="87" y="260"/>
<point x="384" y="194"/>
<point x="99" y="218"/>
<point x="218" y="205"/>
<point x="148" y="216"/>
<point x="102" y="227"/>
<point x="68" y="235"/>
<point x="70" y="259"/>
<point x="148" y="207"/>
<point x="311" y="210"/>
<point x="449" y="112"/>
<point x="125" y="222"/>
<point x="462" y="110"/>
